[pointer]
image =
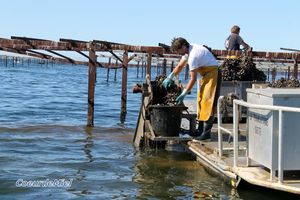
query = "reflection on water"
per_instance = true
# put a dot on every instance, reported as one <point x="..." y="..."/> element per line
<point x="174" y="175"/>
<point x="89" y="143"/>
<point x="101" y="162"/>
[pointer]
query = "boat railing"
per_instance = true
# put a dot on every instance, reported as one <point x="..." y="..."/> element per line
<point x="234" y="132"/>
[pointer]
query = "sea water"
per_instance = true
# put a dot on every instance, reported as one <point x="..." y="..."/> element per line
<point x="47" y="152"/>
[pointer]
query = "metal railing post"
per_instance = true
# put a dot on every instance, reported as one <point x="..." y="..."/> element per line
<point x="220" y="135"/>
<point x="280" y="148"/>
<point x="235" y="133"/>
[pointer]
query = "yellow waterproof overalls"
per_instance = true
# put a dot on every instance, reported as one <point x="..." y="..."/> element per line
<point x="209" y="87"/>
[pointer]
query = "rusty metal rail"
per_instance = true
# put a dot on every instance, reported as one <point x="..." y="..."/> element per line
<point x="145" y="54"/>
<point x="22" y="44"/>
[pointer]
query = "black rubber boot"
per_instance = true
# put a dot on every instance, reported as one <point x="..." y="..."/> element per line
<point x="207" y="125"/>
<point x="199" y="130"/>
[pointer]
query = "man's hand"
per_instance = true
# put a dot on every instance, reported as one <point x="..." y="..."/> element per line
<point x="167" y="83"/>
<point x="180" y="98"/>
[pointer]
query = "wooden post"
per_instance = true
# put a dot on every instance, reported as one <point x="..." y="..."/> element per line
<point x="172" y="65"/>
<point x="91" y="84"/>
<point x="107" y="75"/>
<point x="289" y="73"/>
<point x="165" y="67"/>
<point x="124" y="86"/>
<point x="296" y="69"/>
<point x="274" y="74"/>
<point x="116" y="71"/>
<point x="108" y="68"/>
<point x="145" y="69"/>
<point x="148" y="70"/>
<point x="137" y="69"/>
<point x="142" y="69"/>
<point x="115" y="77"/>
<point x="285" y="74"/>
<point x="157" y="69"/>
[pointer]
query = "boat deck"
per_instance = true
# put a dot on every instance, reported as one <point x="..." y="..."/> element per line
<point x="207" y="152"/>
<point x="228" y="158"/>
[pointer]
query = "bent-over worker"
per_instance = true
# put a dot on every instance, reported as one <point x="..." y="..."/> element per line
<point x="202" y="61"/>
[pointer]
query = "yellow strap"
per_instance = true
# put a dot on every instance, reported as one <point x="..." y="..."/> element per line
<point x="231" y="57"/>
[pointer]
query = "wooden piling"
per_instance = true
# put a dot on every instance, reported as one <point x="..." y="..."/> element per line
<point x="165" y="67"/>
<point x="107" y="76"/>
<point x="115" y="77"/>
<point x="172" y="65"/>
<point x="295" y="69"/>
<point x="274" y="74"/>
<point x="91" y="84"/>
<point x="124" y="86"/>
<point x="148" y="69"/>
<point x="285" y="74"/>
<point x="108" y="69"/>
<point x="157" y="69"/>
<point x="137" y="69"/>
<point x="142" y="69"/>
<point x="116" y="71"/>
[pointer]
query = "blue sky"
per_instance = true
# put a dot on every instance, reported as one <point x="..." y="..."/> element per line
<point x="265" y="25"/>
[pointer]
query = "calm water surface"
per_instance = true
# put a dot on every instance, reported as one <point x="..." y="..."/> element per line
<point x="43" y="137"/>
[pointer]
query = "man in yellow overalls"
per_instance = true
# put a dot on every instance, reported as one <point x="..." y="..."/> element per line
<point x="202" y="61"/>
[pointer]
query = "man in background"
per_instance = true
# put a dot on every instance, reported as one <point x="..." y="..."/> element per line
<point x="234" y="40"/>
